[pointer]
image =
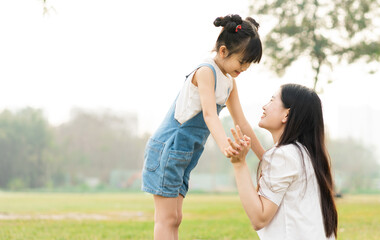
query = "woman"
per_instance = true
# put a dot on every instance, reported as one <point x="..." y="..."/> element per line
<point x="295" y="187"/>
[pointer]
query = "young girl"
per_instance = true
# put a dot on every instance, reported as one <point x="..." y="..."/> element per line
<point x="295" y="187"/>
<point x="174" y="149"/>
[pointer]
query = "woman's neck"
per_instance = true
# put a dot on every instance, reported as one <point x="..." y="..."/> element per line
<point x="276" y="136"/>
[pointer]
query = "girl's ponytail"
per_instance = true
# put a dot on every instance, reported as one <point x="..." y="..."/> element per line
<point x="253" y="21"/>
<point x="229" y="22"/>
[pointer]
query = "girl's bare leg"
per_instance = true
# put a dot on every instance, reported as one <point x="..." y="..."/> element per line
<point x="179" y="215"/>
<point x="167" y="217"/>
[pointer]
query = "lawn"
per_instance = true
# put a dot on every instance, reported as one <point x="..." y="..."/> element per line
<point x="116" y="216"/>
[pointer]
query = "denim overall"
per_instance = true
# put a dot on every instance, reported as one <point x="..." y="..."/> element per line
<point x="173" y="151"/>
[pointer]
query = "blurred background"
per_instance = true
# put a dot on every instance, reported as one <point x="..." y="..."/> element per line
<point x="85" y="83"/>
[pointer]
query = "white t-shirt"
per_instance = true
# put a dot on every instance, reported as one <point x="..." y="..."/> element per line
<point x="299" y="215"/>
<point x="188" y="103"/>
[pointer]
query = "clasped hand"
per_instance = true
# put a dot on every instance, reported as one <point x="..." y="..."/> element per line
<point x="237" y="150"/>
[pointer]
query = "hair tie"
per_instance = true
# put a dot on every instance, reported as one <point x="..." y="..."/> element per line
<point x="237" y="27"/>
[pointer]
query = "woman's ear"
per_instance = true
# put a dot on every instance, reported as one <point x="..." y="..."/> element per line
<point x="223" y="51"/>
<point x="285" y="119"/>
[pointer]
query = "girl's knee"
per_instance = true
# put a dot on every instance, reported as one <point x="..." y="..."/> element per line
<point x="169" y="220"/>
<point x="179" y="219"/>
<point x="168" y="212"/>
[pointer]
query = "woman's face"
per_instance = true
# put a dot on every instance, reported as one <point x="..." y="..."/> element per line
<point x="275" y="114"/>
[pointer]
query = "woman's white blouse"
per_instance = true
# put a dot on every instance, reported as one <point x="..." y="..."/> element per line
<point x="285" y="182"/>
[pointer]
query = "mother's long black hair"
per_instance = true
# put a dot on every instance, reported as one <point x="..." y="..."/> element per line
<point x="305" y="125"/>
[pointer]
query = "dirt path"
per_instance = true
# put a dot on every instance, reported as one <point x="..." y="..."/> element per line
<point x="76" y="216"/>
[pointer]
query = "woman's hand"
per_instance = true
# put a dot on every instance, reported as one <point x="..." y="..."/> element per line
<point x="239" y="149"/>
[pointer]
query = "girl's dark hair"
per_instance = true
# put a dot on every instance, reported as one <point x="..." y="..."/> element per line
<point x="305" y="125"/>
<point x="243" y="39"/>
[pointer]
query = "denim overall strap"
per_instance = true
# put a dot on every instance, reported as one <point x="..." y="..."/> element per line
<point x="219" y="107"/>
<point x="207" y="65"/>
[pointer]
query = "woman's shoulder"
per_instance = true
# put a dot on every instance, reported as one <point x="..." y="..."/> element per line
<point x="292" y="148"/>
<point x="288" y="149"/>
<point x="290" y="153"/>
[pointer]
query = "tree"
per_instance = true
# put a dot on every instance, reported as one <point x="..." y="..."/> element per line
<point x="324" y="32"/>
<point x="354" y="165"/>
<point x="25" y="140"/>
<point x="46" y="8"/>
<point x="95" y="144"/>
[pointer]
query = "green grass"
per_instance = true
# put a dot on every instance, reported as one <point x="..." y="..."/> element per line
<point x="117" y="216"/>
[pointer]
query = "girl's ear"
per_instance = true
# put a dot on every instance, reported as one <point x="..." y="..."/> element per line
<point x="223" y="51"/>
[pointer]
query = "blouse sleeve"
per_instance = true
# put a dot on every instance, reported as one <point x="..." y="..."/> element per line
<point x="279" y="170"/>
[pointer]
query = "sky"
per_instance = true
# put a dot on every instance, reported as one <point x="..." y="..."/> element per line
<point x="132" y="57"/>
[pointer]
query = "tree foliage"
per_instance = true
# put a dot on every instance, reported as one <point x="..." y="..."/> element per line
<point x="94" y="144"/>
<point x="34" y="154"/>
<point x="25" y="139"/>
<point x="321" y="32"/>
<point x="354" y="165"/>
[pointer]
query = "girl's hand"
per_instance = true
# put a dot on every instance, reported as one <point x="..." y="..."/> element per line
<point x="240" y="147"/>
<point x="229" y="151"/>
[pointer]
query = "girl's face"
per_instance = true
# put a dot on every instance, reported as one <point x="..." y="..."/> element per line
<point x="275" y="115"/>
<point x="232" y="64"/>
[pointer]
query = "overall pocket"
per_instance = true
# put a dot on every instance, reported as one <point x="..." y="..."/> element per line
<point x="152" y="156"/>
<point x="175" y="167"/>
